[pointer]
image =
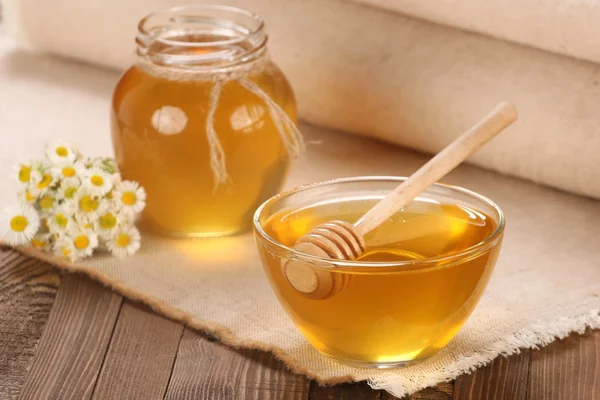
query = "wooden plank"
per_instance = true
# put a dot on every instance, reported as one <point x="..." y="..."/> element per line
<point x="567" y="369"/>
<point x="140" y="356"/>
<point x="74" y="341"/>
<point x="503" y="378"/>
<point x="443" y="391"/>
<point x="266" y="378"/>
<point x="27" y="291"/>
<point x="362" y="390"/>
<point x="349" y="391"/>
<point x="206" y="369"/>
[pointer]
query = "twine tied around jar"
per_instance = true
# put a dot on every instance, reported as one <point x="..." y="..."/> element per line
<point x="240" y="74"/>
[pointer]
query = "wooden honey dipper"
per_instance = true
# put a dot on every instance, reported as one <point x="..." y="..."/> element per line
<point x="341" y="240"/>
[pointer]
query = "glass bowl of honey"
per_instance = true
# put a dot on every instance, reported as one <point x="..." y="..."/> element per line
<point x="421" y="276"/>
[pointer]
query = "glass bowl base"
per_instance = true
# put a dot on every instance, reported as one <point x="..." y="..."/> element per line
<point x="375" y="364"/>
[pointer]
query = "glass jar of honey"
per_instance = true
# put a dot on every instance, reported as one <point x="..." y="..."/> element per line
<point x="204" y="120"/>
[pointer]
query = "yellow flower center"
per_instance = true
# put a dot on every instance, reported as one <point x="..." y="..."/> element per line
<point x="38" y="244"/>
<point x="97" y="180"/>
<point x="66" y="252"/>
<point x="129" y="198"/>
<point x="88" y="204"/>
<point x="46" y="181"/>
<point x="62" y="151"/>
<point x="70" y="192"/>
<point x="46" y="202"/>
<point x="123" y="240"/>
<point x="18" y="223"/>
<point x="68" y="172"/>
<point x="107" y="221"/>
<point x="61" y="220"/>
<point x="25" y="173"/>
<point x="29" y="197"/>
<point x="81" y="242"/>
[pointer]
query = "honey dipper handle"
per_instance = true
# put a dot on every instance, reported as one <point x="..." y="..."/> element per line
<point x="444" y="162"/>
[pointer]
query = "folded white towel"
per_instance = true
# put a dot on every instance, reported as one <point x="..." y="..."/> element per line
<point x="384" y="75"/>
<point x="570" y="27"/>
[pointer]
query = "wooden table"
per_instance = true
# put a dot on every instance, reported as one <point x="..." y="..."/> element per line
<point x="67" y="337"/>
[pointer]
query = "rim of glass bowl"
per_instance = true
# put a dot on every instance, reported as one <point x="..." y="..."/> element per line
<point x="326" y="263"/>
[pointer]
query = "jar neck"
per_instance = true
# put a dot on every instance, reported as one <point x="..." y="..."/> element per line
<point x="201" y="39"/>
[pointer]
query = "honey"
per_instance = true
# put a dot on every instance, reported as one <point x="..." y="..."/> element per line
<point x="389" y="314"/>
<point x="162" y="112"/>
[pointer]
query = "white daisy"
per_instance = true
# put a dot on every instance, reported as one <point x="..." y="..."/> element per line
<point x="98" y="182"/>
<point x="87" y="205"/>
<point x="84" y="242"/>
<point x="64" y="248"/>
<point x="47" y="202"/>
<point x="68" y="189"/>
<point x="19" y="224"/>
<point x="107" y="223"/>
<point x="130" y="197"/>
<point x="124" y="242"/>
<point x="61" y="220"/>
<point x="28" y="196"/>
<point x="23" y="171"/>
<point x="67" y="169"/>
<point x="41" y="241"/>
<point x="42" y="180"/>
<point x="60" y="152"/>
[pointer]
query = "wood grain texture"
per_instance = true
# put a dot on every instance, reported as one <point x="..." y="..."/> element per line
<point x="74" y="341"/>
<point x="503" y="378"/>
<point x="349" y="391"/>
<point x="567" y="369"/>
<point x="266" y="378"/>
<point x="362" y="390"/>
<point x="27" y="291"/>
<point x="443" y="391"/>
<point x="140" y="355"/>
<point x="206" y="369"/>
